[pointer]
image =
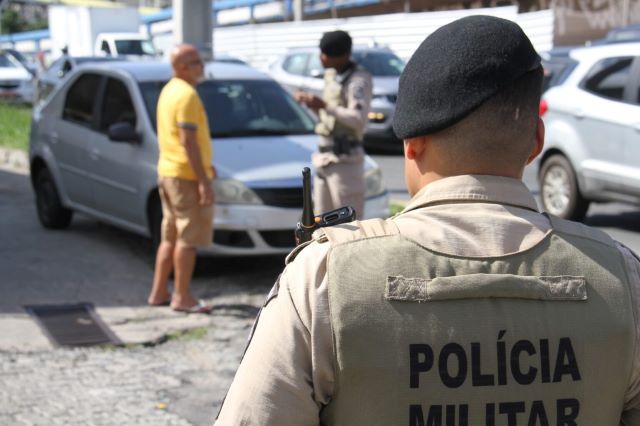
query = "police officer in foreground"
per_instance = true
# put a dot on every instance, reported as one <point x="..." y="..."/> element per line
<point x="343" y="113"/>
<point x="468" y="308"/>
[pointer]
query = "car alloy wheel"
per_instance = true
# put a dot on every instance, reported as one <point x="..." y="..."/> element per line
<point x="559" y="189"/>
<point x="51" y="213"/>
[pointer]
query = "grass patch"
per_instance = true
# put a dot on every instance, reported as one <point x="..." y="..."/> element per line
<point x="190" y="334"/>
<point x="15" y="121"/>
<point x="395" y="208"/>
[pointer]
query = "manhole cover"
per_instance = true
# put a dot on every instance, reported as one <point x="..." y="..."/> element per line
<point x="72" y="325"/>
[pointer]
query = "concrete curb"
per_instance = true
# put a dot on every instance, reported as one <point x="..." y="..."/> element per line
<point x="14" y="159"/>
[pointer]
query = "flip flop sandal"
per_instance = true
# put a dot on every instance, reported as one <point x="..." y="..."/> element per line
<point x="198" y="308"/>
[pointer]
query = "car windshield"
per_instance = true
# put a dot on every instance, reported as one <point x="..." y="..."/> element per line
<point x="242" y="108"/>
<point x="379" y="64"/>
<point x="7" y="61"/>
<point x="135" y="47"/>
<point x="556" y="71"/>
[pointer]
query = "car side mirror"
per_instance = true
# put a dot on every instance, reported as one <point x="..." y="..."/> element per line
<point x="123" y="131"/>
<point x="316" y="73"/>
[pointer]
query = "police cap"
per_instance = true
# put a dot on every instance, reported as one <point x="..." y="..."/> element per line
<point x="335" y="43"/>
<point x="456" y="69"/>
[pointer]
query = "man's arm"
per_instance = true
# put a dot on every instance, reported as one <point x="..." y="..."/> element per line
<point x="286" y="374"/>
<point x="189" y="142"/>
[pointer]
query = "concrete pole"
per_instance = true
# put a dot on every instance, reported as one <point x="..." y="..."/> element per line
<point x="297" y="10"/>
<point x="192" y="24"/>
<point x="625" y="12"/>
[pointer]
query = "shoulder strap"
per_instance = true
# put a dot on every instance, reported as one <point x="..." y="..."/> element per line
<point x="356" y="230"/>
<point x="351" y="231"/>
<point x="579" y="230"/>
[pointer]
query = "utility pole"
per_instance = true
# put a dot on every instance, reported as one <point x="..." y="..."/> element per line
<point x="193" y="24"/>
<point x="297" y="10"/>
<point x="626" y="18"/>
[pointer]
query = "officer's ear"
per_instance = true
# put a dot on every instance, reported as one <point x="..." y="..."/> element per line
<point x="537" y="149"/>
<point x="414" y="147"/>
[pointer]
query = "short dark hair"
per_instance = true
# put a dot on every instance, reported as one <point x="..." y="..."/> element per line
<point x="501" y="127"/>
<point x="335" y="43"/>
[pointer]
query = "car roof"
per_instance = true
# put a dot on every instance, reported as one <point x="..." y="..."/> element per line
<point x="355" y="48"/>
<point x="155" y="70"/>
<point x="604" y="51"/>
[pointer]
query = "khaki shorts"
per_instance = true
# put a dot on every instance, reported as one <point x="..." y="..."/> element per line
<point x="184" y="220"/>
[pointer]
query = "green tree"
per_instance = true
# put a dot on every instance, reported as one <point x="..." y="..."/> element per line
<point x="12" y="22"/>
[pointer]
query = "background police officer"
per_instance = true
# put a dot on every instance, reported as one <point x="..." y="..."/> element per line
<point x="342" y="112"/>
<point x="470" y="306"/>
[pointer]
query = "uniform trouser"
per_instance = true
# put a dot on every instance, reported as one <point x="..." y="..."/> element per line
<point x="339" y="181"/>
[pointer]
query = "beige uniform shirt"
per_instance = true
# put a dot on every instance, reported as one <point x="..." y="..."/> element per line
<point x="356" y="99"/>
<point x="287" y="373"/>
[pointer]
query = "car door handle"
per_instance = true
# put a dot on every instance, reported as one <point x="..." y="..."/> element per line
<point x="53" y="137"/>
<point x="579" y="114"/>
<point x="94" y="154"/>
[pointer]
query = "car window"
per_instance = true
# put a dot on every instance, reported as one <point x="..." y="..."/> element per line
<point x="296" y="64"/>
<point x="117" y="106"/>
<point x="379" y="64"/>
<point x="609" y="77"/>
<point x="315" y="67"/>
<point x="556" y="71"/>
<point x="242" y="108"/>
<point x="6" y="61"/>
<point x="80" y="101"/>
<point x="134" y="47"/>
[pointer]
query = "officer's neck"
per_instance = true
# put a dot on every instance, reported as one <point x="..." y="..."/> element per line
<point x="341" y="69"/>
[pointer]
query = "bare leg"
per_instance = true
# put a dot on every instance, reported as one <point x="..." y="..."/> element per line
<point x="184" y="259"/>
<point x="164" y="265"/>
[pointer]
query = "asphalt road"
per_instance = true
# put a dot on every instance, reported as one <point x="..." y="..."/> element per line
<point x="94" y="262"/>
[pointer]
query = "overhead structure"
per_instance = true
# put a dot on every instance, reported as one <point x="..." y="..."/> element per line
<point x="193" y="24"/>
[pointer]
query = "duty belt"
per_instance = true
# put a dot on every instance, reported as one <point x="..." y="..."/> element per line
<point x="331" y="148"/>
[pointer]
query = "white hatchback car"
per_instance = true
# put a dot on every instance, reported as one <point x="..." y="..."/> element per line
<point x="592" y="143"/>
<point x="94" y="150"/>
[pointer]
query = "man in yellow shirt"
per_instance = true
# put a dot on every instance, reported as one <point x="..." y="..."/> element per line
<point x="184" y="182"/>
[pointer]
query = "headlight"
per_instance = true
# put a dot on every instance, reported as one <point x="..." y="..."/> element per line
<point x="229" y="191"/>
<point x="373" y="183"/>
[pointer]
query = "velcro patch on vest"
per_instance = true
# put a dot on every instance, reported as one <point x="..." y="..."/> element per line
<point x="475" y="286"/>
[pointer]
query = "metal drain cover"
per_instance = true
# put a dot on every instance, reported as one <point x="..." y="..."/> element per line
<point x="72" y="324"/>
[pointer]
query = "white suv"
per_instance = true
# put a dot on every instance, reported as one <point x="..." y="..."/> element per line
<point x="592" y="142"/>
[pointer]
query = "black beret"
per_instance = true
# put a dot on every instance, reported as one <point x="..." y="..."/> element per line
<point x="456" y="69"/>
<point x="335" y="43"/>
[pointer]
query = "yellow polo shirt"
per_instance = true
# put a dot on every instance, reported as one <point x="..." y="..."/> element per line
<point x="179" y="106"/>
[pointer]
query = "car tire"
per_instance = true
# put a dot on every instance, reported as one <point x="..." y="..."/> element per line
<point x="51" y="213"/>
<point x="559" y="189"/>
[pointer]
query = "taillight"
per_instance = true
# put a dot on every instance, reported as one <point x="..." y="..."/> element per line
<point x="543" y="107"/>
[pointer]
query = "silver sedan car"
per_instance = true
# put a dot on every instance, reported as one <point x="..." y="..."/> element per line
<point x="94" y="150"/>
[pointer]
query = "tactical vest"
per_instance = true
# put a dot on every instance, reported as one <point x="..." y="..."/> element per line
<point x="542" y="337"/>
<point x="334" y="95"/>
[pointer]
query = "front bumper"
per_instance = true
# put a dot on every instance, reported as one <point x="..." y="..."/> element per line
<point x="246" y="230"/>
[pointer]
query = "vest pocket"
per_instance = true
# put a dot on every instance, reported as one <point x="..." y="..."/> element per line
<point x="475" y="286"/>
